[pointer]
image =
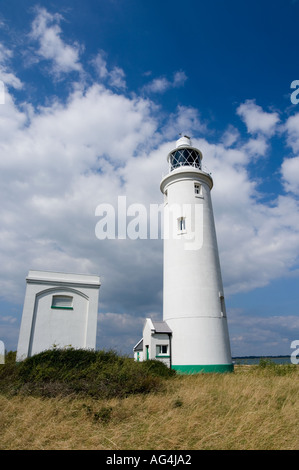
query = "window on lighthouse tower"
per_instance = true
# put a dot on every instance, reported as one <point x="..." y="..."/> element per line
<point x="198" y="190"/>
<point x="165" y="197"/>
<point x="181" y="224"/>
<point x="222" y="305"/>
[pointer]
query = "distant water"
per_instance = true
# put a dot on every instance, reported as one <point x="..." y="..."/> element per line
<point x="256" y="359"/>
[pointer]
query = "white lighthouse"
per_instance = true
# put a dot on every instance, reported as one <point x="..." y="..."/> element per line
<point x="193" y="336"/>
<point x="193" y="297"/>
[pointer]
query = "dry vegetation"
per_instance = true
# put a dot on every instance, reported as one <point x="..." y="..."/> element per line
<point x="253" y="408"/>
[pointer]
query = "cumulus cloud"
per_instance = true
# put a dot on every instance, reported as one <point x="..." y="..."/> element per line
<point x="63" y="165"/>
<point x="257" y="335"/>
<point x="62" y="161"/>
<point x="185" y="120"/>
<point x="114" y="77"/>
<point x="57" y="166"/>
<point x="292" y="131"/>
<point x="256" y="147"/>
<point x="6" y="75"/>
<point x="162" y="84"/>
<point x="290" y="174"/>
<point x="119" y="331"/>
<point x="258" y="241"/>
<point x="256" y="119"/>
<point x="230" y="136"/>
<point x="100" y="64"/>
<point x="47" y="32"/>
<point x="290" y="165"/>
<point x="59" y="162"/>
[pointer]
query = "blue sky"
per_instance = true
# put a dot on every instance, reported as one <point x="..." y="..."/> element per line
<point x="96" y="94"/>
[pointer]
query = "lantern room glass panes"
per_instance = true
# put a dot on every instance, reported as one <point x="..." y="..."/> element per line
<point x="185" y="157"/>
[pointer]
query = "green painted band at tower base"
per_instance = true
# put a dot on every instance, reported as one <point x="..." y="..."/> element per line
<point x="198" y="368"/>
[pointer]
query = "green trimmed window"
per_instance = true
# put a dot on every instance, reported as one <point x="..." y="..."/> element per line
<point x="161" y="349"/>
<point x="62" y="301"/>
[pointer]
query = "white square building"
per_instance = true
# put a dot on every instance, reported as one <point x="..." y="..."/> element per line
<point x="60" y="310"/>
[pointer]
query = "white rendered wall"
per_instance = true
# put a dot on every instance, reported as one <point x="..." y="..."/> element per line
<point x="42" y="326"/>
<point x="147" y="339"/>
<point x="193" y="304"/>
<point x="152" y="339"/>
<point x="138" y="356"/>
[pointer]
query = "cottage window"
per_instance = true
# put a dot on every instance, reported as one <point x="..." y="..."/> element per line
<point x="162" y="349"/>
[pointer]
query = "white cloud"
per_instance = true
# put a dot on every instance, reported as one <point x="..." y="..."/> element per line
<point x="58" y="164"/>
<point x="46" y="30"/>
<point x="179" y="79"/>
<point x="100" y="64"/>
<point x="117" y="78"/>
<point x="162" y="84"/>
<point x="258" y="241"/>
<point x="158" y="85"/>
<point x="256" y="119"/>
<point x="230" y="136"/>
<point x="114" y="77"/>
<point x="290" y="174"/>
<point x="292" y="130"/>
<point x="257" y="335"/>
<point x="10" y="79"/>
<point x="290" y="166"/>
<point x="256" y="147"/>
<point x="119" y="331"/>
<point x="60" y="161"/>
<point x="185" y="120"/>
<point x="6" y="76"/>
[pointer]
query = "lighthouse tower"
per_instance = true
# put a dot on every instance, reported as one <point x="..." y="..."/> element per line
<point x="193" y="297"/>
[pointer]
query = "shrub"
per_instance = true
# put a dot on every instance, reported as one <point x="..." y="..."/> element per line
<point x="8" y="373"/>
<point x="69" y="371"/>
<point x="158" y="368"/>
<point x="267" y="366"/>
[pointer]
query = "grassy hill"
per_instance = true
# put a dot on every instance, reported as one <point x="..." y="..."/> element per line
<point x="103" y="401"/>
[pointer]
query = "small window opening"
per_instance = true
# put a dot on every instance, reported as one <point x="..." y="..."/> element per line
<point x="161" y="349"/>
<point x="197" y="189"/>
<point x="165" y="197"/>
<point x="181" y="224"/>
<point x="222" y="306"/>
<point x="62" y="301"/>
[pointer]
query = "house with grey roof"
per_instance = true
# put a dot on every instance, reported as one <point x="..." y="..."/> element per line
<point x="155" y="343"/>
